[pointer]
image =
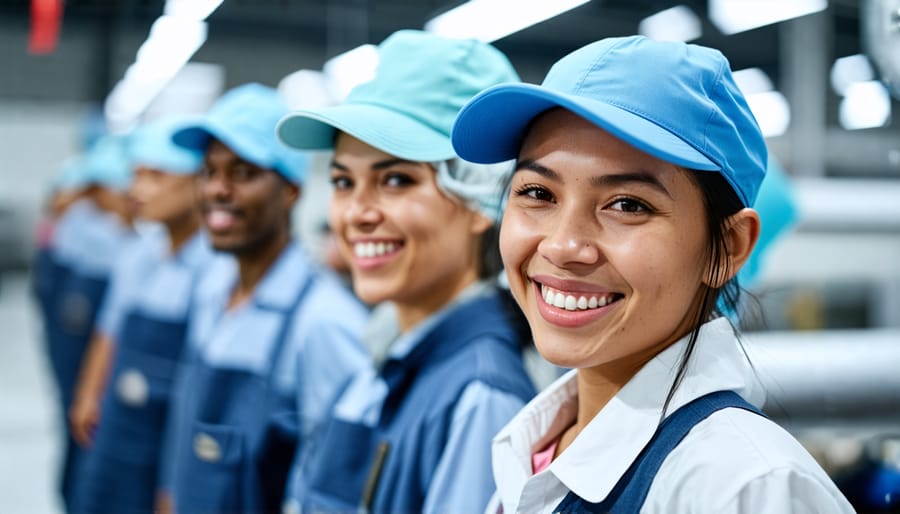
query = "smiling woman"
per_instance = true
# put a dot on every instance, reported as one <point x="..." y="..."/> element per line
<point x="627" y="219"/>
<point x="416" y="224"/>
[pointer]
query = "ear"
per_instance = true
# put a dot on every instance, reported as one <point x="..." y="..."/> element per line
<point x="741" y="233"/>
<point x="292" y="193"/>
<point x="480" y="223"/>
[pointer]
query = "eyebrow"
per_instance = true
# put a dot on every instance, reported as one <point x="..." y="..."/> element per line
<point x="611" y="179"/>
<point x="641" y="177"/>
<point x="380" y="165"/>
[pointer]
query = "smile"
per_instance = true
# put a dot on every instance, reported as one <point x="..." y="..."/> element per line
<point x="576" y="301"/>
<point x="370" y="249"/>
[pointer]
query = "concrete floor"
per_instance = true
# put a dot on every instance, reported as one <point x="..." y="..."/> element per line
<point x="30" y="424"/>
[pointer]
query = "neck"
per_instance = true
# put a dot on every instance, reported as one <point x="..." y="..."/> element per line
<point x="597" y="386"/>
<point x="182" y="230"/>
<point x="252" y="267"/>
<point x="412" y="312"/>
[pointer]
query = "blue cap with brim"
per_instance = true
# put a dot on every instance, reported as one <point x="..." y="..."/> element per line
<point x="244" y="120"/>
<point x="106" y="164"/>
<point x="407" y="110"/>
<point x="675" y="101"/>
<point x="71" y="175"/>
<point x="151" y="146"/>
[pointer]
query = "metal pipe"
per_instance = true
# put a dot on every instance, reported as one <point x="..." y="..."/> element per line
<point x="834" y="374"/>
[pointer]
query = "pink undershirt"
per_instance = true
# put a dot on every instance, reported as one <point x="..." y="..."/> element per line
<point x="542" y="458"/>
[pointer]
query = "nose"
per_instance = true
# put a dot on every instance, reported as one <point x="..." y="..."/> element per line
<point x="215" y="187"/>
<point x="362" y="211"/>
<point x="571" y="240"/>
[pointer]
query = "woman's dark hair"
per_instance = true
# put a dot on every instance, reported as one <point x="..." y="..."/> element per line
<point x="490" y="264"/>
<point x="720" y="202"/>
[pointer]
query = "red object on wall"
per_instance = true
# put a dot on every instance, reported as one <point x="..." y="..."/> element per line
<point x="46" y="18"/>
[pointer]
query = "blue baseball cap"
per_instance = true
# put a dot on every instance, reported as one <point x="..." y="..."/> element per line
<point x="151" y="146"/>
<point x="407" y="110"/>
<point x="71" y="174"/>
<point x="244" y="120"/>
<point x="106" y="164"/>
<point x="675" y="101"/>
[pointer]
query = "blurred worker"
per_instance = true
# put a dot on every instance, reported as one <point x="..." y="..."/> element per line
<point x="266" y="321"/>
<point x="87" y="242"/>
<point x="141" y="331"/>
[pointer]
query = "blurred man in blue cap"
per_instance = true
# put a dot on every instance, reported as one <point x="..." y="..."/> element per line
<point x="122" y="397"/>
<point x="268" y="326"/>
<point x="87" y="242"/>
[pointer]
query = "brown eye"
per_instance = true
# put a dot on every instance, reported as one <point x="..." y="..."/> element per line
<point x="629" y="205"/>
<point x="535" y="192"/>
<point x="341" y="182"/>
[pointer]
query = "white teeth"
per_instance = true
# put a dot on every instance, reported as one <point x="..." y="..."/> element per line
<point x="370" y="249"/>
<point x="571" y="303"/>
<point x="559" y="300"/>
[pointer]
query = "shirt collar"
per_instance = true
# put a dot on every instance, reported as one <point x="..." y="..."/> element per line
<point x="402" y="344"/>
<point x="282" y="282"/>
<point x="625" y="425"/>
<point x="196" y="250"/>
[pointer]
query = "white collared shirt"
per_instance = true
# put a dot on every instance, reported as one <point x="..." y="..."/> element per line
<point x="734" y="461"/>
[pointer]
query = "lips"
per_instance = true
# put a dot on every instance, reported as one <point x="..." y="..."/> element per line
<point x="576" y="300"/>
<point x="370" y="254"/>
<point x="375" y="248"/>
<point x="219" y="219"/>
<point x="570" y="304"/>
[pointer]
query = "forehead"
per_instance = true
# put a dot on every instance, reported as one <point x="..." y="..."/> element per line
<point x="218" y="150"/>
<point x="565" y="138"/>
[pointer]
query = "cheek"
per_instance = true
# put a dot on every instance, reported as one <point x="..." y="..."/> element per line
<point x="519" y="236"/>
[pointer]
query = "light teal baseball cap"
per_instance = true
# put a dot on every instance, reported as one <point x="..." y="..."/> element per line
<point x="106" y="164"/>
<point x="408" y="109"/>
<point x="151" y="146"/>
<point x="244" y="120"/>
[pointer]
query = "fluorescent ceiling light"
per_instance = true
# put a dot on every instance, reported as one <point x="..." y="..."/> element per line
<point x="753" y="80"/>
<point x="771" y="111"/>
<point x="865" y="105"/>
<point x="733" y="16"/>
<point x="305" y="89"/>
<point x="349" y="69"/>
<point x="174" y="38"/>
<point x="850" y="69"/>
<point x="676" y="24"/>
<point x="490" y="20"/>
<point x="192" y="9"/>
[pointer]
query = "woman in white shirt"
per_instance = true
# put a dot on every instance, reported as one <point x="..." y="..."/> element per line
<point x="627" y="220"/>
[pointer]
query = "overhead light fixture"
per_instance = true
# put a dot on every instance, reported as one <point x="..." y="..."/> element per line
<point x="174" y="38"/>
<point x="753" y="80"/>
<point x="305" y="89"/>
<point x="490" y="20"/>
<point x="769" y="107"/>
<point x="733" y="16"/>
<point x="191" y="9"/>
<point x="772" y="112"/>
<point x="865" y="105"/>
<point x="345" y="71"/>
<point x="850" y="69"/>
<point x="678" y="23"/>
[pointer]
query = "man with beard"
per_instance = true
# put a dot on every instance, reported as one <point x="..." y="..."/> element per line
<point x="273" y="337"/>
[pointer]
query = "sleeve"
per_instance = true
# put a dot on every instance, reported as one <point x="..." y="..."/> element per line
<point x="463" y="481"/>
<point x="332" y="354"/>
<point x="787" y="491"/>
<point x="115" y="301"/>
